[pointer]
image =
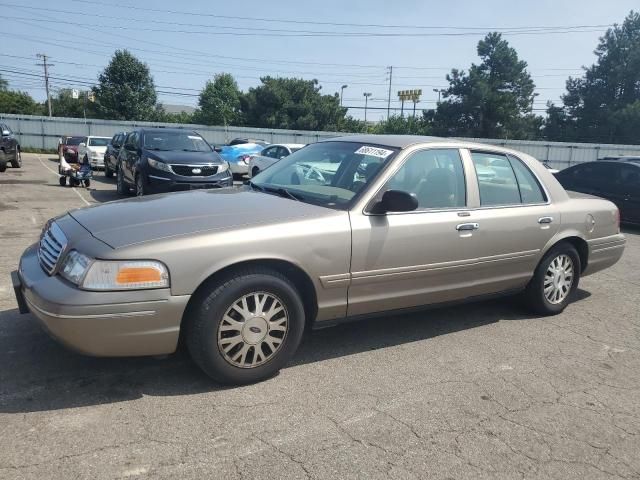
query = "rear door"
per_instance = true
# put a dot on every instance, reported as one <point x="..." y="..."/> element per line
<point x="629" y="189"/>
<point x="515" y="220"/>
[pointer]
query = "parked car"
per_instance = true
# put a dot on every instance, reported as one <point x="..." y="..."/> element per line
<point x="111" y="154"/>
<point x="626" y="158"/>
<point x="396" y="222"/>
<point x="618" y="181"/>
<point x="70" y="148"/>
<point x="9" y="149"/>
<point x="240" y="141"/>
<point x="92" y="150"/>
<point x="61" y="143"/>
<point x="154" y="160"/>
<point x="271" y="155"/>
<point x="239" y="156"/>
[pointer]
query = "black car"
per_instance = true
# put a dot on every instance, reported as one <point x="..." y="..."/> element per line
<point x="154" y="160"/>
<point x="625" y="158"/>
<point x="618" y="181"/>
<point x="241" y="141"/>
<point x="9" y="149"/>
<point x="111" y="154"/>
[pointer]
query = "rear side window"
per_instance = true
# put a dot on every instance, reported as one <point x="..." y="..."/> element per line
<point x="504" y="180"/>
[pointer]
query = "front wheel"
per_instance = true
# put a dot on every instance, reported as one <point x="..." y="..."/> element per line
<point x="107" y="171"/>
<point x="63" y="181"/>
<point x="121" y="185"/>
<point x="246" y="328"/>
<point x="17" y="161"/>
<point x="141" y="190"/>
<point x="554" y="281"/>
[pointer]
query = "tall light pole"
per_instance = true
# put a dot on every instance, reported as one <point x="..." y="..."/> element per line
<point x="437" y="90"/>
<point x="341" y="91"/>
<point x="46" y="76"/>
<point x="366" y="101"/>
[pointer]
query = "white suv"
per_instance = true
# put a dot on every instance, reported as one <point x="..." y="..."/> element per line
<point x="93" y="151"/>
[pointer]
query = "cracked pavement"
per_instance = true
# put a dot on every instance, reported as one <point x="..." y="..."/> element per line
<point x="476" y="391"/>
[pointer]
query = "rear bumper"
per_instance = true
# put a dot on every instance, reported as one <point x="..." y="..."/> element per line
<point x="604" y="252"/>
<point x="239" y="168"/>
<point x="105" y="324"/>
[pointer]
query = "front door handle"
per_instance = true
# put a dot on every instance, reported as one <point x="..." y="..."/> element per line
<point x="545" y="220"/>
<point x="467" y="226"/>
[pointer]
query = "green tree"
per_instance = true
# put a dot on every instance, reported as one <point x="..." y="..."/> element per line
<point x="493" y="100"/>
<point x="64" y="105"/>
<point x="126" y="90"/>
<point x="18" y="102"/>
<point x="219" y="102"/>
<point x="408" y="125"/>
<point x="291" y="103"/>
<point x="602" y="105"/>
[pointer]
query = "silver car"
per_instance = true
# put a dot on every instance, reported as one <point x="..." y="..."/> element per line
<point x="342" y="229"/>
<point x="271" y="155"/>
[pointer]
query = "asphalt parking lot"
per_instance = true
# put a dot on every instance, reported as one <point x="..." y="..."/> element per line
<point x="475" y="391"/>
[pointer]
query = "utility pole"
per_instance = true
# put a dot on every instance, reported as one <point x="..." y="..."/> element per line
<point x="390" y="68"/>
<point x="46" y="76"/>
<point x="366" y="101"/>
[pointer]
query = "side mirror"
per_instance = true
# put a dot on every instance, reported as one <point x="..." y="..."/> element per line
<point x="217" y="149"/>
<point x="82" y="145"/>
<point x="396" y="201"/>
<point x="6" y="133"/>
<point x="283" y="157"/>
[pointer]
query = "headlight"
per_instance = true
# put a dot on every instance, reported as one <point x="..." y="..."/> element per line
<point x="105" y="275"/>
<point x="223" y="168"/>
<point x="158" y="165"/>
<point x="75" y="266"/>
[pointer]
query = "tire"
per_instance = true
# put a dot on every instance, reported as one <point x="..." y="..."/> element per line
<point x="73" y="182"/>
<point x="141" y="191"/>
<point x="17" y="161"/>
<point x="107" y="171"/>
<point x="255" y="171"/>
<point x="63" y="181"/>
<point x="121" y="185"/>
<point x="551" y="273"/>
<point x="3" y="161"/>
<point x="208" y="332"/>
<point x="87" y="183"/>
<point x="3" y="166"/>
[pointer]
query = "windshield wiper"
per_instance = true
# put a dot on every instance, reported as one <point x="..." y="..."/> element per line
<point x="157" y="149"/>
<point x="283" y="192"/>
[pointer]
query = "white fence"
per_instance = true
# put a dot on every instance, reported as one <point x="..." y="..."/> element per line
<point x="43" y="132"/>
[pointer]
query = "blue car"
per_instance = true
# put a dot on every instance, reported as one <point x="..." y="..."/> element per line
<point x="238" y="156"/>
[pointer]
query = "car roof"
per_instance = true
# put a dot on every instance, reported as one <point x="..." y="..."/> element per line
<point x="169" y="130"/>
<point x="288" y="145"/>
<point x="97" y="136"/>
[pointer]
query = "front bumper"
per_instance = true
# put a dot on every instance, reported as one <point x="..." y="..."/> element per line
<point x="97" y="162"/>
<point x="239" y="167"/>
<point x="104" y="324"/>
<point x="157" y="183"/>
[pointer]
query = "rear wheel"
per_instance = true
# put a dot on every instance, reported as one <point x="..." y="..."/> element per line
<point x="63" y="181"/>
<point x="107" y="171"/>
<point x="87" y="183"/>
<point x="74" y="182"/>
<point x="3" y="161"/>
<point x="247" y="327"/>
<point x="555" y="279"/>
<point x="17" y="161"/>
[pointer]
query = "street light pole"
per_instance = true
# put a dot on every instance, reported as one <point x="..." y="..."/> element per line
<point x="366" y="101"/>
<point x="437" y="90"/>
<point x="341" y="91"/>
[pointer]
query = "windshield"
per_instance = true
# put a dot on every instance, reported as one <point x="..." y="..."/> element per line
<point x="330" y="174"/>
<point x="75" y="140"/>
<point x="184" y="141"/>
<point x="98" y="142"/>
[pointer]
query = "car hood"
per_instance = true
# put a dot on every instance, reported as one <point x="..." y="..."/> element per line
<point x="97" y="149"/>
<point x="144" y="219"/>
<point x="180" y="157"/>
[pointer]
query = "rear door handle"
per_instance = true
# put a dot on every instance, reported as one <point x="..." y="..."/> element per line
<point x="543" y="220"/>
<point x="467" y="226"/>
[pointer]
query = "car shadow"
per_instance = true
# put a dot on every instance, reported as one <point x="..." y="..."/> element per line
<point x="38" y="374"/>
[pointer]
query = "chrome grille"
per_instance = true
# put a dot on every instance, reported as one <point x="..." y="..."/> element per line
<point x="52" y="244"/>
<point x="194" y="170"/>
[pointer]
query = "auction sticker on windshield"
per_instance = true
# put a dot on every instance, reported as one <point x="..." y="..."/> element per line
<point x="374" y="151"/>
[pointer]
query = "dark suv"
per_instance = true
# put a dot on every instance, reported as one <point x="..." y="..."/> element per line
<point x="154" y="160"/>
<point x="9" y="149"/>
<point x="111" y="155"/>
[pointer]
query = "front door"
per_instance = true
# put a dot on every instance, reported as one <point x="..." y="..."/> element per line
<point x="415" y="258"/>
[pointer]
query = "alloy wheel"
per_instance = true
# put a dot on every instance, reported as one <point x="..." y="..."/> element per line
<point x="558" y="279"/>
<point x="253" y="329"/>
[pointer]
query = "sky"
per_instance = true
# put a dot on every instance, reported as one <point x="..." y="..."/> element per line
<point x="338" y="42"/>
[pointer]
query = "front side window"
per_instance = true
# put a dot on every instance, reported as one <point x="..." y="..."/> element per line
<point x="175" y="141"/>
<point x="504" y="180"/>
<point x="330" y="174"/>
<point x="269" y="152"/>
<point x="435" y="177"/>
